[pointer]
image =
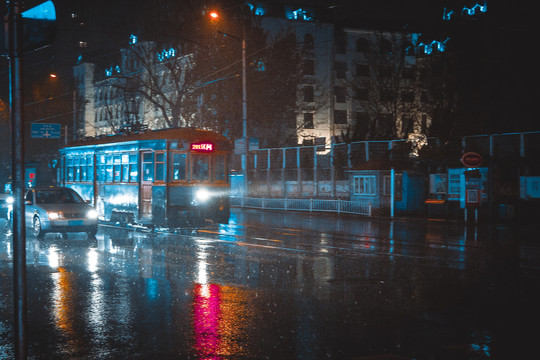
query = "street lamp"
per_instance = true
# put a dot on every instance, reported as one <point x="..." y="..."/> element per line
<point x="214" y="15"/>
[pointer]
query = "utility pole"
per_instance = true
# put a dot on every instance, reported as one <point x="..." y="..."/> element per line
<point x="15" y="36"/>
<point x="244" y="112"/>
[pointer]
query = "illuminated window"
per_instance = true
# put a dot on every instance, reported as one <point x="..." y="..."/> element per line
<point x="133" y="168"/>
<point x="148" y="166"/>
<point x="69" y="170"/>
<point x="117" y="168"/>
<point x="125" y="167"/>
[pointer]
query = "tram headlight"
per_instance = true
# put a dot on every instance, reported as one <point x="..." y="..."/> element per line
<point x="92" y="214"/>
<point x="202" y="195"/>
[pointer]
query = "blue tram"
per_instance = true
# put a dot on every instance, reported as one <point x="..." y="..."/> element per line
<point x="174" y="177"/>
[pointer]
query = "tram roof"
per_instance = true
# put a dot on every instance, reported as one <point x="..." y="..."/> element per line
<point x="192" y="134"/>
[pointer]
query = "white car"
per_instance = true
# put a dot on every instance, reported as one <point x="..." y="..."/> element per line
<point x="58" y="209"/>
<point x="6" y="205"/>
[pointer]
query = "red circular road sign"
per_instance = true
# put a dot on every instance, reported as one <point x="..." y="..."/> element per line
<point x="471" y="159"/>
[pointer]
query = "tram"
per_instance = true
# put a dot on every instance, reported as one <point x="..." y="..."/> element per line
<point x="174" y="177"/>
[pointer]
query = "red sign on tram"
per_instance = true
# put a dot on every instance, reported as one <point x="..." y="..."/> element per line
<point x="202" y="147"/>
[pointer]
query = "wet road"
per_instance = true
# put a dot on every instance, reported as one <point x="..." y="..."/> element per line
<point x="280" y="286"/>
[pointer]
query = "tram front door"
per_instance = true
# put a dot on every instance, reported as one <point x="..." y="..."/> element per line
<point x="147" y="179"/>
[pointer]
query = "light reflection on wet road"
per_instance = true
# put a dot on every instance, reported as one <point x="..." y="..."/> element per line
<point x="280" y="286"/>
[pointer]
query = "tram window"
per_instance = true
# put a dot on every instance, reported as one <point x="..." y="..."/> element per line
<point x="117" y="168"/>
<point x="133" y="172"/>
<point x="179" y="166"/>
<point x="219" y="168"/>
<point x="200" y="170"/>
<point x="108" y="168"/>
<point x="160" y="166"/>
<point x="83" y="169"/>
<point x="77" y="168"/>
<point x="90" y="168"/>
<point x="69" y="169"/>
<point x="125" y="167"/>
<point x="148" y="167"/>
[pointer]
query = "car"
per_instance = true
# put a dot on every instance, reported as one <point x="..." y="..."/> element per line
<point x="58" y="209"/>
<point x="6" y="205"/>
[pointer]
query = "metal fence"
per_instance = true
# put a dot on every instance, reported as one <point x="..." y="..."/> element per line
<point x="311" y="205"/>
<point x="321" y="171"/>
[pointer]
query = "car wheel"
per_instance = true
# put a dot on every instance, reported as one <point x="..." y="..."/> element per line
<point x="38" y="231"/>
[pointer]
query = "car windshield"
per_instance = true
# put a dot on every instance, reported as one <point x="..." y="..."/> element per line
<point x="57" y="197"/>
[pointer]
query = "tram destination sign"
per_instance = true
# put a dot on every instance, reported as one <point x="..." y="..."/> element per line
<point x="202" y="147"/>
<point x="46" y="131"/>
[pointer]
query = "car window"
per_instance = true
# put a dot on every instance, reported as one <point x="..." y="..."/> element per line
<point x="28" y="197"/>
<point x="57" y="197"/>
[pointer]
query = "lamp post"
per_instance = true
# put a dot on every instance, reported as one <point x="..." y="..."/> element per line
<point x="214" y="15"/>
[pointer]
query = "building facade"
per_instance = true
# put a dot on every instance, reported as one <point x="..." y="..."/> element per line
<point x="357" y="84"/>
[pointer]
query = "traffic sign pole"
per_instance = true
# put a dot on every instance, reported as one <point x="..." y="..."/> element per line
<point x="15" y="35"/>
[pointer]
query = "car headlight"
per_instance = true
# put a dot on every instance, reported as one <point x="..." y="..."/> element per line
<point x="55" y="215"/>
<point x="92" y="214"/>
<point x="10" y="200"/>
<point x="202" y="195"/>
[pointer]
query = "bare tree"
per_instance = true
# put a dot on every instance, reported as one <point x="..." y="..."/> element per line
<point x="387" y="90"/>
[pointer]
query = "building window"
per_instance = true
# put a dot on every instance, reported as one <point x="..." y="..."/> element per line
<point x="398" y="185"/>
<point x="386" y="95"/>
<point x="308" y="120"/>
<point x="340" y="116"/>
<point x="341" y="44"/>
<point x="309" y="67"/>
<point x="385" y="47"/>
<point x="361" y="94"/>
<point x="407" y="96"/>
<point x="341" y="70"/>
<point x="408" y="73"/>
<point x="364" y="185"/>
<point x="362" y="45"/>
<point x="308" y="41"/>
<point x="308" y="94"/>
<point x="407" y="125"/>
<point x="362" y="70"/>
<point x="340" y="94"/>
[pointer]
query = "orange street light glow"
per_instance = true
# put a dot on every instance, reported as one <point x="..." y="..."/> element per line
<point x="214" y="15"/>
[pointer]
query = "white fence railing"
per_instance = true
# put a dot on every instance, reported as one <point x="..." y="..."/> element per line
<point x="311" y="205"/>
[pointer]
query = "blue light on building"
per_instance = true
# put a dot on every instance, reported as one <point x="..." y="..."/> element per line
<point x="475" y="10"/>
<point x="166" y="54"/>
